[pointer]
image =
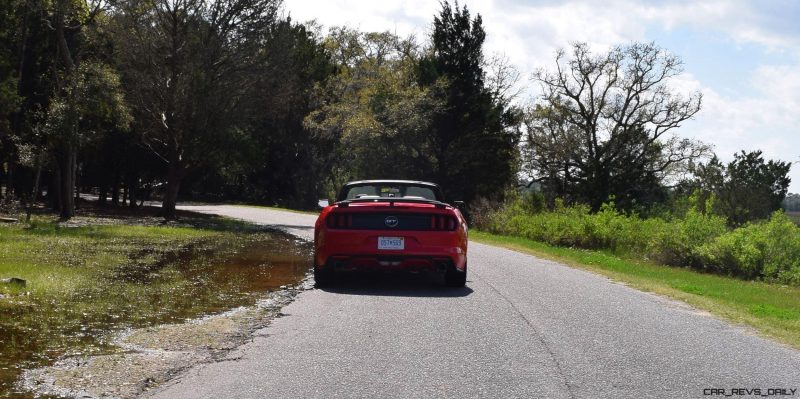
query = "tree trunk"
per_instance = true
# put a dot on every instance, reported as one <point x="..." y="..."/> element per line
<point x="67" y="167"/>
<point x="2" y="179"/>
<point x="115" y="190"/>
<point x="133" y="183"/>
<point x="16" y="124"/>
<point x="174" y="176"/>
<point x="102" y="196"/>
<point x="69" y="156"/>
<point x="54" y="191"/>
<point x="77" y="183"/>
<point x="10" y="179"/>
<point x="35" y="193"/>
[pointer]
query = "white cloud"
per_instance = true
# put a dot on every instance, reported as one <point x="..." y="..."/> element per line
<point x="405" y="17"/>
<point x="769" y="121"/>
<point x="782" y="84"/>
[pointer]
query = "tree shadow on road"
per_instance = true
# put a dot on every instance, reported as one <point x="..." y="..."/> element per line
<point x="401" y="285"/>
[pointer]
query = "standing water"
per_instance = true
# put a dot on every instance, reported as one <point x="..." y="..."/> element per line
<point x="206" y="278"/>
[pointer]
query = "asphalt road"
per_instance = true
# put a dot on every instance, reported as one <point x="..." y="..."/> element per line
<point x="523" y="327"/>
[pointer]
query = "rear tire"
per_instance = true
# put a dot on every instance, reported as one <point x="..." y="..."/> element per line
<point x="323" y="277"/>
<point x="454" y="277"/>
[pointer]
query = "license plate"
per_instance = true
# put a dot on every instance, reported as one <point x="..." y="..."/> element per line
<point x="395" y="243"/>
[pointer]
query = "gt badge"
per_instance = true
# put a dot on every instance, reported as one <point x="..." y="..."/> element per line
<point x="391" y="221"/>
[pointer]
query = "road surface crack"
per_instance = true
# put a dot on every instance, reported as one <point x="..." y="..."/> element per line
<point x="539" y="336"/>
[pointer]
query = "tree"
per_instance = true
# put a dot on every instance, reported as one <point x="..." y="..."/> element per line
<point x="9" y="98"/>
<point x="29" y="43"/>
<point x="753" y="188"/>
<point x="549" y="141"/>
<point x="474" y="138"/>
<point x="746" y="189"/>
<point x="84" y="94"/>
<point x="792" y="202"/>
<point x="607" y="119"/>
<point x="187" y="67"/>
<point x="275" y="159"/>
<point x="375" y="119"/>
<point x="282" y="165"/>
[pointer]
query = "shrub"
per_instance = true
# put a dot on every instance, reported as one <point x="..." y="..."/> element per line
<point x="676" y="242"/>
<point x="481" y="211"/>
<point x="768" y="250"/>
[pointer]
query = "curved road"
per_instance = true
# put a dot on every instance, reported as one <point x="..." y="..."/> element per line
<point x="523" y="328"/>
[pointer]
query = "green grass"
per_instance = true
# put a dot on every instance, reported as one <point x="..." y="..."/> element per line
<point x="62" y="260"/>
<point x="774" y="310"/>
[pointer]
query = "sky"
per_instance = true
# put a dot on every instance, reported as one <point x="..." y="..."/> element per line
<point x="743" y="56"/>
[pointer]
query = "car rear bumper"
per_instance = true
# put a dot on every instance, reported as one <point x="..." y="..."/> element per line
<point x="383" y="263"/>
<point x="358" y="250"/>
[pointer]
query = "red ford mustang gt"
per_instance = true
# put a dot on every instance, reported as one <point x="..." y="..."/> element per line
<point x="390" y="225"/>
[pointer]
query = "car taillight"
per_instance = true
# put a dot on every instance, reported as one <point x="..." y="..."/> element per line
<point x="442" y="222"/>
<point x="340" y="221"/>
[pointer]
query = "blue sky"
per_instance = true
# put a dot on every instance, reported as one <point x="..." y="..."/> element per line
<point x="744" y="56"/>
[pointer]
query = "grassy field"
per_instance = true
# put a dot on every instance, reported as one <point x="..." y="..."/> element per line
<point x="774" y="310"/>
<point x="99" y="274"/>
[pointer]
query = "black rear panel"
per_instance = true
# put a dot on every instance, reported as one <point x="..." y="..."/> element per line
<point x="391" y="221"/>
<point x="377" y="221"/>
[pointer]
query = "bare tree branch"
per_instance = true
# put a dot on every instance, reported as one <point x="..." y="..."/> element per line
<point x="611" y="112"/>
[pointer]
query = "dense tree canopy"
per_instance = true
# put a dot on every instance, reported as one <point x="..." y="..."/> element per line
<point x="230" y="100"/>
<point x="284" y="161"/>
<point x="373" y="114"/>
<point x="9" y="98"/>
<point x="189" y="64"/>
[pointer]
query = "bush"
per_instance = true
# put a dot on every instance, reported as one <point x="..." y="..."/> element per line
<point x="10" y="205"/>
<point x="676" y="242"/>
<point x="482" y="210"/>
<point x="769" y="250"/>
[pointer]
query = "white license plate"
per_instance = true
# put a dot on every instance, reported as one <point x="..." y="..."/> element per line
<point x="395" y="243"/>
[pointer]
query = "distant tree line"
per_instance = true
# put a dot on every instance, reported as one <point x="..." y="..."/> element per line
<point x="232" y="100"/>
<point x="792" y="203"/>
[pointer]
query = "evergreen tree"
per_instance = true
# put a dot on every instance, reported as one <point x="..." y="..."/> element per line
<point x="475" y="136"/>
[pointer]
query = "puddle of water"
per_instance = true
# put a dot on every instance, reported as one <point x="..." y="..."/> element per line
<point x="204" y="279"/>
<point x="260" y="271"/>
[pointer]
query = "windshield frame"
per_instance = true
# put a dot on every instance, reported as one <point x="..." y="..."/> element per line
<point x="437" y="191"/>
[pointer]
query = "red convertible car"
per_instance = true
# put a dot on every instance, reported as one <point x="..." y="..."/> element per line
<point x="390" y="225"/>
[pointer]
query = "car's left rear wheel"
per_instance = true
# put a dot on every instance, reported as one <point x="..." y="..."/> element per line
<point x="323" y="277"/>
